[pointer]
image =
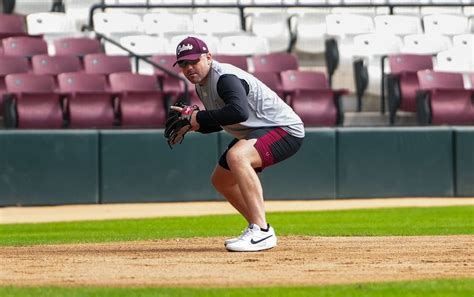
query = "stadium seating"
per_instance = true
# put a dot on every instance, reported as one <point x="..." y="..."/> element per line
<point x="398" y="24"/>
<point x="24" y="46"/>
<point x="442" y="99"/>
<point x="29" y="83"/>
<point x="25" y="7"/>
<point x="32" y="103"/>
<point x="402" y="82"/>
<point x="78" y="11"/>
<point x="12" y="24"/>
<point x="54" y="65"/>
<point x="216" y="22"/>
<point x="246" y="45"/>
<point x="445" y="24"/>
<point x="309" y="94"/>
<point x="140" y="101"/>
<point x="10" y="65"/>
<point x="272" y="80"/>
<point x="236" y="60"/>
<point x="274" y="62"/>
<point x="88" y="104"/>
<point x="49" y="22"/>
<point x="120" y="23"/>
<point x="101" y="63"/>
<point x="167" y="22"/>
<point x="77" y="46"/>
<point x="456" y="59"/>
<point x="425" y="43"/>
<point x="144" y="45"/>
<point x="170" y="85"/>
<point x="274" y="27"/>
<point x="369" y="50"/>
<point x="310" y="31"/>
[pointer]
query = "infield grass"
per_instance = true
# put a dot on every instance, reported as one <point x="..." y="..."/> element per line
<point x="434" y="288"/>
<point x="409" y="221"/>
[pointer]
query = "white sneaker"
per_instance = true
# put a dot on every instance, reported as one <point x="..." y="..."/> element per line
<point x="231" y="240"/>
<point x="254" y="239"/>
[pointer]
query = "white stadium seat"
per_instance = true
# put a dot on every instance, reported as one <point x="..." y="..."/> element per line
<point x="398" y="24"/>
<point x="310" y="29"/>
<point x="216" y="22"/>
<point x="455" y="60"/>
<point x="167" y="22"/>
<point x="446" y="24"/>
<point x="274" y="27"/>
<point x="49" y="22"/>
<point x="425" y="43"/>
<point x="117" y="22"/>
<point x="245" y="45"/>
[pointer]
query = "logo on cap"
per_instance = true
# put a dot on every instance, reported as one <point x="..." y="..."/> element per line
<point x="183" y="47"/>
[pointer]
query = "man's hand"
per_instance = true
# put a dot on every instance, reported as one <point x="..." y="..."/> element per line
<point x="179" y="122"/>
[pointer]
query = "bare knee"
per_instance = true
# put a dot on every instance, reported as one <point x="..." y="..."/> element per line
<point x="236" y="157"/>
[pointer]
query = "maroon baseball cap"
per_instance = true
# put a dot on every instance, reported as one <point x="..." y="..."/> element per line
<point x="190" y="48"/>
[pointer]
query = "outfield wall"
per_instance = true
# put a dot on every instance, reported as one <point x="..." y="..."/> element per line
<point x="110" y="166"/>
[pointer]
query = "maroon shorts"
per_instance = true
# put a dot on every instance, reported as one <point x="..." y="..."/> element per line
<point x="273" y="145"/>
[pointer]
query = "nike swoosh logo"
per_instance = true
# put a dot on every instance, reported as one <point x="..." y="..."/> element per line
<point x="257" y="241"/>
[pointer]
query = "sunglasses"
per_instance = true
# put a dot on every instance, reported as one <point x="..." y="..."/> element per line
<point x="185" y="63"/>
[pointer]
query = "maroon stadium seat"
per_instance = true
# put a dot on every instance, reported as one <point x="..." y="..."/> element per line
<point x="236" y="60"/>
<point x="429" y="79"/>
<point x="32" y="83"/>
<point x="24" y="46"/>
<point x="54" y="65"/>
<point x="271" y="80"/>
<point x="141" y="102"/>
<point x="303" y="86"/>
<point x="275" y="62"/>
<point x="82" y="82"/>
<point x="402" y="82"/>
<point x="105" y="64"/>
<point x="172" y="87"/>
<point x="10" y="65"/>
<point x="32" y="103"/>
<point x="442" y="99"/>
<point x="89" y="104"/>
<point x="316" y="107"/>
<point x="293" y="80"/>
<point x="12" y="23"/>
<point x="77" y="46"/>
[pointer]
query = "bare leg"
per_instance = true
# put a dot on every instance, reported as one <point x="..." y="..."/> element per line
<point x="225" y="183"/>
<point x="242" y="158"/>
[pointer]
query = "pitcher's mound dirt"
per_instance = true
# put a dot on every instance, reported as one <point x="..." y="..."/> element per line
<point x="297" y="260"/>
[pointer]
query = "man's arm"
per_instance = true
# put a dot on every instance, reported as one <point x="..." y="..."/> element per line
<point x="234" y="93"/>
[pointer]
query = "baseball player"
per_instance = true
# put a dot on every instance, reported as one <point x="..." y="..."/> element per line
<point x="265" y="128"/>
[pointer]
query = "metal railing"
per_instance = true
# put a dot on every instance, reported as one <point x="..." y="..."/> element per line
<point x="143" y="58"/>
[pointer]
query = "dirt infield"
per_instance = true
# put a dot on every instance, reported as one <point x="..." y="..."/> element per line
<point x="204" y="262"/>
<point x="297" y="260"/>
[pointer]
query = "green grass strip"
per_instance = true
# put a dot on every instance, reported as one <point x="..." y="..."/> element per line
<point x="362" y="222"/>
<point x="434" y="288"/>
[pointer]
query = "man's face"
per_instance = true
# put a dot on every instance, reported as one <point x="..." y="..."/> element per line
<point x="196" y="71"/>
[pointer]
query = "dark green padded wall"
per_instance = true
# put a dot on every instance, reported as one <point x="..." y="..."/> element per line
<point x="392" y="162"/>
<point x="48" y="167"/>
<point x="309" y="174"/>
<point x="464" y="160"/>
<point x="139" y="166"/>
